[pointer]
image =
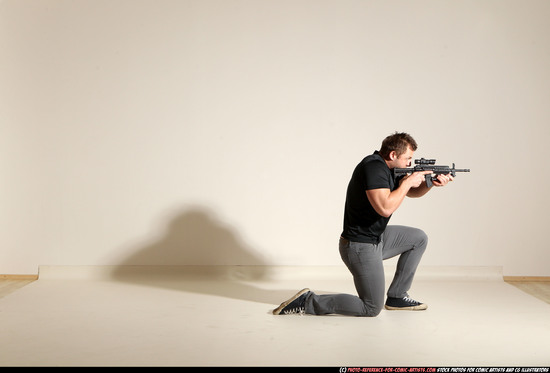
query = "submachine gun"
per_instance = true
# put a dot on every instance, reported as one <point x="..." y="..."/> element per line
<point x="423" y="164"/>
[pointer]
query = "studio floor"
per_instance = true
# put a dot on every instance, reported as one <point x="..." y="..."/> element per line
<point x="222" y="317"/>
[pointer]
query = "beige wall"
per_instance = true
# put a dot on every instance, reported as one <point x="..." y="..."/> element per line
<point x="225" y="132"/>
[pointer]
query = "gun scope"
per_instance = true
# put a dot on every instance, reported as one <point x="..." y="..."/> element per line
<point x="424" y="161"/>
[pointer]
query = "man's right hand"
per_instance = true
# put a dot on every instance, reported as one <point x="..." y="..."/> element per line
<point x="416" y="178"/>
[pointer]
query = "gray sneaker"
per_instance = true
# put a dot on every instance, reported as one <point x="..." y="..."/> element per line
<point x="294" y="305"/>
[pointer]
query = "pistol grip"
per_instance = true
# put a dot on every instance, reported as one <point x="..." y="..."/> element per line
<point x="429" y="181"/>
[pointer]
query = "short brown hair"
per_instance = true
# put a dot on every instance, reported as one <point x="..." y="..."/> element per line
<point x="398" y="142"/>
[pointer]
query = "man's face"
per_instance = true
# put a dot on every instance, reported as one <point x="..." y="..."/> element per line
<point x="405" y="159"/>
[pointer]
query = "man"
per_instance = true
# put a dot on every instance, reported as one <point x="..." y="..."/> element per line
<point x="373" y="195"/>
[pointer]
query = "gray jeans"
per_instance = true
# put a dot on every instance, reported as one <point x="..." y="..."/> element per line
<point x="365" y="264"/>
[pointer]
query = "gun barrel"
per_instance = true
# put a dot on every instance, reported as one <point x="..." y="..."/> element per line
<point x="462" y="170"/>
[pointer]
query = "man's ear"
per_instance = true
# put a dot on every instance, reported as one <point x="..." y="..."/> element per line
<point x="393" y="155"/>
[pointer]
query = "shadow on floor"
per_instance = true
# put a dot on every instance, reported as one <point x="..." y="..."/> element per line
<point x="201" y="254"/>
<point x="538" y="289"/>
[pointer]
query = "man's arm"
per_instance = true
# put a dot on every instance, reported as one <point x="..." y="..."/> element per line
<point x="385" y="202"/>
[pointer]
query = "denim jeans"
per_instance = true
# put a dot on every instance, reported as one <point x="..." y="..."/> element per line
<point x="365" y="262"/>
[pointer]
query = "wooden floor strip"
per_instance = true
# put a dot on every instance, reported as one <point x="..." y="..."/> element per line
<point x="526" y="278"/>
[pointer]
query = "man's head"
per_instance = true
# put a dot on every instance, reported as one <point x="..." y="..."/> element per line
<point x="397" y="150"/>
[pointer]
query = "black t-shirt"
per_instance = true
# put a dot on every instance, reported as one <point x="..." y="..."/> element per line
<point x="361" y="222"/>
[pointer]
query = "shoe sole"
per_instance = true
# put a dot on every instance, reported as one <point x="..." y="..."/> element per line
<point x="278" y="310"/>
<point x="420" y="307"/>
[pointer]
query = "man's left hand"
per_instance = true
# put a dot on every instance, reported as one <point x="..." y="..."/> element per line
<point x="442" y="180"/>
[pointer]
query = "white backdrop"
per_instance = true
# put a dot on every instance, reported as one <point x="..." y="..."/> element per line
<point x="226" y="131"/>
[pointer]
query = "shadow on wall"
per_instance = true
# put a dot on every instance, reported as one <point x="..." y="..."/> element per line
<point x="200" y="254"/>
<point x="196" y="237"/>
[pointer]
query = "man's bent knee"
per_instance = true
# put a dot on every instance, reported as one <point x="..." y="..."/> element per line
<point x="421" y="238"/>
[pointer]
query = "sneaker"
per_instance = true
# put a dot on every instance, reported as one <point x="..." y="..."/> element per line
<point x="404" y="303"/>
<point x="295" y="305"/>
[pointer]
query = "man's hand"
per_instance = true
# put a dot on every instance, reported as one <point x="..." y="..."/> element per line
<point x="416" y="186"/>
<point x="442" y="180"/>
<point x="416" y="178"/>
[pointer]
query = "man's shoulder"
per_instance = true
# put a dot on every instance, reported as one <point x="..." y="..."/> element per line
<point x="375" y="161"/>
<point x="375" y="172"/>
